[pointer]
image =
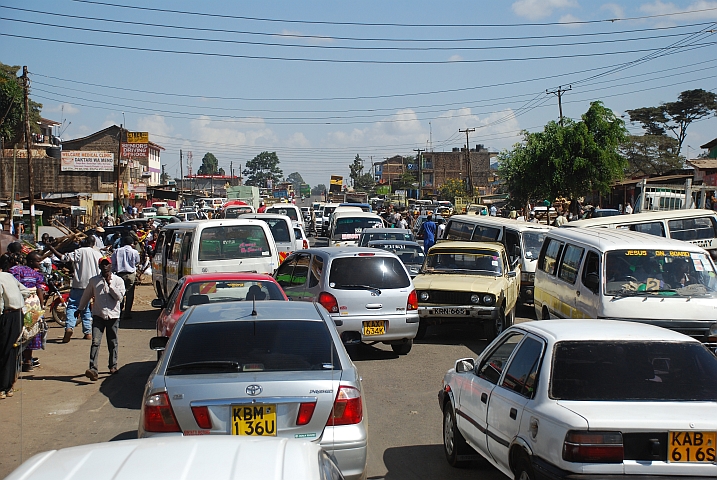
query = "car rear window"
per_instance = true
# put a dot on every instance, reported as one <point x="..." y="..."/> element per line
<point x="233" y="242"/>
<point x="641" y="371"/>
<point x="289" y="212"/>
<point x="278" y="227"/>
<point x="200" y="293"/>
<point x="377" y="272"/>
<point x="253" y="346"/>
<point x="348" y="228"/>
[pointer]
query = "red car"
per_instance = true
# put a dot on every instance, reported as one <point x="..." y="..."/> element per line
<point x="213" y="288"/>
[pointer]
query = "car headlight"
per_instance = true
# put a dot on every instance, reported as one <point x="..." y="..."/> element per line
<point x="712" y="334"/>
<point x="488" y="299"/>
<point x="475" y="298"/>
<point x="523" y="277"/>
<point x="424" y="296"/>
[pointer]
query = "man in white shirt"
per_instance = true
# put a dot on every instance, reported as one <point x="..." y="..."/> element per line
<point x="124" y="263"/>
<point x="12" y="299"/>
<point x="107" y="291"/>
<point x="493" y="211"/>
<point x="84" y="266"/>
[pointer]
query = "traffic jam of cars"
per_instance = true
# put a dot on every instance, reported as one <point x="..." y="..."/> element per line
<point x="616" y="378"/>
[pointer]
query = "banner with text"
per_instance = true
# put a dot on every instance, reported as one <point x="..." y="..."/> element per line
<point x="134" y="150"/>
<point x="137" y="137"/>
<point x="87" y="161"/>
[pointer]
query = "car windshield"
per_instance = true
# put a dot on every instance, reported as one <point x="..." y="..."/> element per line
<point x="659" y="272"/>
<point x="408" y="254"/>
<point x="643" y="371"/>
<point x="368" y="271"/>
<point x="480" y="262"/>
<point x="350" y="228"/>
<point x="370" y="236"/>
<point x="532" y="243"/>
<point x="199" y="293"/>
<point x="289" y="212"/>
<point x="253" y="346"/>
<point x="233" y="242"/>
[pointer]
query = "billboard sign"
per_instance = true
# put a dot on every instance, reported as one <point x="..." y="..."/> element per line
<point x="137" y="137"/>
<point x="87" y="161"/>
<point x="134" y="150"/>
<point x="336" y="184"/>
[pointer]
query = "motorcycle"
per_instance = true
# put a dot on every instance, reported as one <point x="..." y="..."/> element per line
<point x="58" y="296"/>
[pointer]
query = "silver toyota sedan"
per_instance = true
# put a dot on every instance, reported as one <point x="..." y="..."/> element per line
<point x="268" y="369"/>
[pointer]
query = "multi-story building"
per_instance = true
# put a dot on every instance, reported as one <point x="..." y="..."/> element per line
<point x="437" y="167"/>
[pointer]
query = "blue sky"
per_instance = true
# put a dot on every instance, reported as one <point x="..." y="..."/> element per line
<point x="320" y="82"/>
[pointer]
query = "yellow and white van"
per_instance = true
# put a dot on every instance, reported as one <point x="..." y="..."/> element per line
<point x="234" y="245"/>
<point x="619" y="274"/>
<point x="696" y="226"/>
<point x="522" y="241"/>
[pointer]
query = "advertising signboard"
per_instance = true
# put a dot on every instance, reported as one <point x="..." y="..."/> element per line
<point x="137" y="137"/>
<point x="134" y="150"/>
<point x="87" y="161"/>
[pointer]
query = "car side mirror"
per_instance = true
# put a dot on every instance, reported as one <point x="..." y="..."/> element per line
<point x="592" y="281"/>
<point x="512" y="274"/>
<point x="465" y="365"/>
<point x="158" y="344"/>
<point x="158" y="303"/>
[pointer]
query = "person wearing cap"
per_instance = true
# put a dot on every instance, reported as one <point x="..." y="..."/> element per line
<point x="99" y="244"/>
<point x="124" y="263"/>
<point x="106" y="290"/>
<point x="428" y="231"/>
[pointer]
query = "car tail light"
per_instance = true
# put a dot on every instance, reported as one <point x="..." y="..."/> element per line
<point x="306" y="411"/>
<point x="593" y="447"/>
<point x="158" y="414"/>
<point x="366" y="254"/>
<point x="306" y="244"/>
<point x="412" y="303"/>
<point x="347" y="407"/>
<point x="329" y="302"/>
<point x="201" y="415"/>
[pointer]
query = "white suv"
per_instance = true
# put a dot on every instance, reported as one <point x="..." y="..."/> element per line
<point x="585" y="399"/>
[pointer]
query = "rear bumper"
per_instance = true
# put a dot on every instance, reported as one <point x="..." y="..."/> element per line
<point x="399" y="326"/>
<point x="349" y="446"/>
<point x="547" y="471"/>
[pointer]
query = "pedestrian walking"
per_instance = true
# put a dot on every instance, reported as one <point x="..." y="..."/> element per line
<point x="428" y="231"/>
<point x="12" y="299"/>
<point x="84" y="266"/>
<point x="29" y="275"/>
<point x="106" y="290"/>
<point x="124" y="263"/>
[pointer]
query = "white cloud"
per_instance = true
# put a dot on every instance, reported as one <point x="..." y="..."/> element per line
<point x="661" y="8"/>
<point x="570" y="20"/>
<point x="251" y="131"/>
<point x="298" y="140"/>
<point x="155" y="125"/>
<point x="65" y="108"/>
<point x="614" y="9"/>
<point x="455" y="58"/>
<point x="535" y="9"/>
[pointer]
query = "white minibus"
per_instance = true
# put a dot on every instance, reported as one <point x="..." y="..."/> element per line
<point x="235" y="245"/>
<point x="696" y="226"/>
<point x="619" y="274"/>
<point x="522" y="241"/>
<point x="346" y="226"/>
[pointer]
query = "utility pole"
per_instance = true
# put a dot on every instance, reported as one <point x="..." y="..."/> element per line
<point x="469" y="180"/>
<point x="119" y="170"/>
<point x="12" y="200"/>
<point x="30" y="173"/>
<point x="181" y="174"/>
<point x="420" y="170"/>
<point x="189" y="172"/>
<point x="559" y="93"/>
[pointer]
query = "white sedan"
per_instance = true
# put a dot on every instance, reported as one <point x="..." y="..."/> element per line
<point x="585" y="399"/>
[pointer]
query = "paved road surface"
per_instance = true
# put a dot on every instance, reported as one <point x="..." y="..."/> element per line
<point x="56" y="406"/>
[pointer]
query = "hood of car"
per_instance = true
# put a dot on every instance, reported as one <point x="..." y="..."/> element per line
<point x="628" y="416"/>
<point x="459" y="283"/>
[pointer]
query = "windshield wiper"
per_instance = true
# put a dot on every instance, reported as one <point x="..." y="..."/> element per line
<point x="364" y="287"/>
<point x="209" y="364"/>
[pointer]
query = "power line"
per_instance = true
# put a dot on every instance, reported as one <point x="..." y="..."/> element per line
<point x="366" y="24"/>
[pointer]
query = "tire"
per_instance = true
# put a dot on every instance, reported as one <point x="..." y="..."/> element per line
<point x="402" y="348"/>
<point x="421" y="334"/>
<point x="454" y="445"/>
<point x="59" y="313"/>
<point x="523" y="469"/>
<point x="546" y="313"/>
<point x="495" y="327"/>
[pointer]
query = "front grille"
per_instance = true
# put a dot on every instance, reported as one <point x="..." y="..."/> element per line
<point x="442" y="297"/>
<point x="651" y="446"/>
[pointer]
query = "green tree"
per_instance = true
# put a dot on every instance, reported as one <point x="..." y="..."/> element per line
<point x="12" y="107"/>
<point x="261" y="168"/>
<point x="210" y="165"/>
<point x="676" y="116"/>
<point x="650" y="154"/>
<point x="451" y="189"/>
<point x="356" y="170"/>
<point x="319" y="189"/>
<point x="364" y="183"/>
<point x="296" y="180"/>
<point x="406" y="181"/>
<point x="567" y="160"/>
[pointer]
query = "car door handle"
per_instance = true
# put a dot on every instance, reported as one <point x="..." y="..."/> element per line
<point x="374" y="306"/>
<point x="513" y="413"/>
<point x="577" y="292"/>
<point x="484" y="397"/>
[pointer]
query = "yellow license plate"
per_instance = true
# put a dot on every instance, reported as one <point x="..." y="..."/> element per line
<point x="254" y="420"/>
<point x="698" y="447"/>
<point x="374" y="327"/>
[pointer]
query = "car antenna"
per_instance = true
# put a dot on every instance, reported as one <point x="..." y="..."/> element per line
<point x="253" y="306"/>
